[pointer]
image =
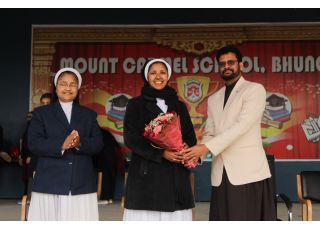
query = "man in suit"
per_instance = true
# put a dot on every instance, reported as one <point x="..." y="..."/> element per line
<point x="240" y="175"/>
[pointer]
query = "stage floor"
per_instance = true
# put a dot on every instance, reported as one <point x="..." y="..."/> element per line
<point x="10" y="210"/>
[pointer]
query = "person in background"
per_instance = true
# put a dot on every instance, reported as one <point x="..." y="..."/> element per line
<point x="109" y="163"/>
<point x="45" y="99"/>
<point x="27" y="167"/>
<point x="3" y="155"/>
<point x="158" y="185"/>
<point x="29" y="162"/>
<point x="64" y="136"/>
<point x="1" y="138"/>
<point x="240" y="175"/>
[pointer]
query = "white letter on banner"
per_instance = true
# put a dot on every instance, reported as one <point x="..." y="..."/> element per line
<point x="206" y="65"/>
<point x="129" y="65"/>
<point x="184" y="65"/>
<point x="318" y="66"/>
<point x="113" y="62"/>
<point x="177" y="65"/>
<point x="287" y="64"/>
<point x="247" y="67"/>
<point x="81" y="65"/>
<point x="103" y="65"/>
<point x="276" y="64"/>
<point x="309" y="63"/>
<point x="298" y="64"/>
<point x="195" y="65"/>
<point x="140" y="63"/>
<point x="66" y="62"/>
<point x="93" y="65"/>
<point x="256" y="64"/>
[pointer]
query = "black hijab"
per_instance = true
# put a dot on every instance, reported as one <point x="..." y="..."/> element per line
<point x="167" y="93"/>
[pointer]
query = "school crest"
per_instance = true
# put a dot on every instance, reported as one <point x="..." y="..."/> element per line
<point x="193" y="91"/>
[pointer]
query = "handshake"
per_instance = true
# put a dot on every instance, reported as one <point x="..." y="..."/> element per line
<point x="181" y="157"/>
<point x="189" y="157"/>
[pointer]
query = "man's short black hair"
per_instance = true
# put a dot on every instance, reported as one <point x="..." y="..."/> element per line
<point x="229" y="49"/>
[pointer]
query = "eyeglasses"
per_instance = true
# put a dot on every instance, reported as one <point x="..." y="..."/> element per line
<point x="66" y="85"/>
<point x="229" y="62"/>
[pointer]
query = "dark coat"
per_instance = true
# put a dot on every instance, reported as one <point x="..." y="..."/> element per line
<point x="152" y="180"/>
<point x="1" y="138"/>
<point x="25" y="153"/>
<point x="73" y="171"/>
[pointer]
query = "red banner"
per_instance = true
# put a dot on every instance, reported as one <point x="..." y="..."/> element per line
<point x="289" y="70"/>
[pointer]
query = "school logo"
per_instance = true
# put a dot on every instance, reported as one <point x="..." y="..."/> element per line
<point x="193" y="91"/>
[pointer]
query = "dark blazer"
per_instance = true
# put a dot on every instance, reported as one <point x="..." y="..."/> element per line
<point x="1" y="138"/>
<point x="153" y="182"/>
<point x="73" y="171"/>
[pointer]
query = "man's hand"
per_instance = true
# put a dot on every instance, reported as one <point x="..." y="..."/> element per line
<point x="194" y="153"/>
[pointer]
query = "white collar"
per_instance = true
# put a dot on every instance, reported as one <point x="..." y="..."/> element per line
<point x="67" y="109"/>
<point x="66" y="104"/>
<point x="162" y="105"/>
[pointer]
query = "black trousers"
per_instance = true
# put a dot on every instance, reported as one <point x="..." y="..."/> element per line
<point x="254" y="201"/>
<point x="108" y="184"/>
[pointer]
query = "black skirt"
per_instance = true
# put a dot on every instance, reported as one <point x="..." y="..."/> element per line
<point x="254" y="201"/>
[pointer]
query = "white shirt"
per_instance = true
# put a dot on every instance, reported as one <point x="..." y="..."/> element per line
<point x="161" y="103"/>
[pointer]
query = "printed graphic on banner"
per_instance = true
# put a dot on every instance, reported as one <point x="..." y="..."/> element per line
<point x="277" y="111"/>
<point x="116" y="109"/>
<point x="289" y="71"/>
<point x="311" y="128"/>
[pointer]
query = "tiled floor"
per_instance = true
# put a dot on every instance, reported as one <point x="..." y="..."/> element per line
<point x="10" y="210"/>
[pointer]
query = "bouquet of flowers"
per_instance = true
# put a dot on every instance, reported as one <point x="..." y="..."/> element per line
<point x="165" y="132"/>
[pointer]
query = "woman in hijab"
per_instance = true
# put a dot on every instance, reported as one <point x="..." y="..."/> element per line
<point x="64" y="136"/>
<point x="158" y="185"/>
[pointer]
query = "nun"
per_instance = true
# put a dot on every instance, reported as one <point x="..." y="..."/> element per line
<point x="158" y="186"/>
<point x="64" y="136"/>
